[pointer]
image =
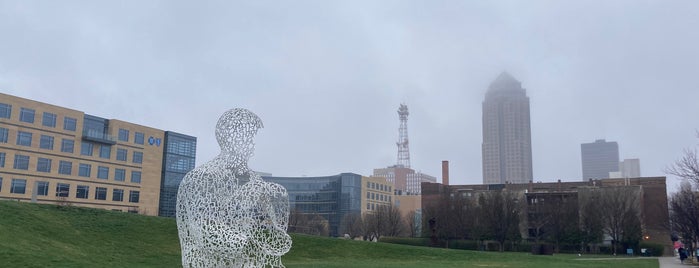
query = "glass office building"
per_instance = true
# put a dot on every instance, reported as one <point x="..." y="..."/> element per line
<point x="331" y="197"/>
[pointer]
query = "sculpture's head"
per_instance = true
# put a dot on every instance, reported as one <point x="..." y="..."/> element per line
<point x="235" y="131"/>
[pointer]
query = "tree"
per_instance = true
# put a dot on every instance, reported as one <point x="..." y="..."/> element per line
<point x="620" y="213"/>
<point x="687" y="167"/>
<point x="352" y="224"/>
<point x="298" y="221"/>
<point x="684" y="213"/>
<point x="563" y="226"/>
<point x="413" y="223"/>
<point x="500" y="212"/>
<point x="386" y="220"/>
<point x="591" y="226"/>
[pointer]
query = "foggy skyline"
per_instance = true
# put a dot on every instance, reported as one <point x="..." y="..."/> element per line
<point x="326" y="77"/>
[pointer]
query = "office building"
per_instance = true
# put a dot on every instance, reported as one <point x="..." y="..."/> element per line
<point x="406" y="181"/>
<point x="506" y="148"/>
<point x="52" y="154"/>
<point x="599" y="158"/>
<point x="334" y="197"/>
<point x="630" y="168"/>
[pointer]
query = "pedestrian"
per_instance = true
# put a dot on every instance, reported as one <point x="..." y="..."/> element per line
<point x="683" y="255"/>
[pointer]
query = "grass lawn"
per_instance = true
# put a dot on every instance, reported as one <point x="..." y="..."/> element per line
<point x="34" y="235"/>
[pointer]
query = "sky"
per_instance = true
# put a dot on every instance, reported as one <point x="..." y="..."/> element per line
<point x="327" y="77"/>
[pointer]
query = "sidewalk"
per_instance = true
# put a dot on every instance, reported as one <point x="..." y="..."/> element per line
<point x="672" y="262"/>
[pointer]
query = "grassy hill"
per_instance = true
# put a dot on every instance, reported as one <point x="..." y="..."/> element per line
<point x="33" y="235"/>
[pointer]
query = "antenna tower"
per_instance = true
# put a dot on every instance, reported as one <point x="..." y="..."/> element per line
<point x="403" y="150"/>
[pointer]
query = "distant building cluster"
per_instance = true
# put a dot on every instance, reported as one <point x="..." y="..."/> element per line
<point x="600" y="160"/>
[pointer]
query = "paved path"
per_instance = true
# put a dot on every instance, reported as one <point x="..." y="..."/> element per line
<point x="672" y="262"/>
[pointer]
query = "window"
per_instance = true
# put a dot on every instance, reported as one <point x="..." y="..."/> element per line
<point x="18" y="186"/>
<point x="84" y="170"/>
<point x="86" y="148"/>
<point x="42" y="188"/>
<point x="3" y="135"/>
<point x="21" y="162"/>
<point x="2" y="159"/>
<point x="43" y="165"/>
<point x="123" y="134"/>
<point x="82" y="191"/>
<point x="368" y="194"/>
<point x="105" y="151"/>
<point x="136" y="176"/>
<point x="65" y="167"/>
<point x="62" y="189"/>
<point x="69" y="123"/>
<point x="102" y="172"/>
<point x="46" y="142"/>
<point x="67" y="145"/>
<point x="0" y="184"/>
<point x="134" y="196"/>
<point x="119" y="174"/>
<point x="24" y="138"/>
<point x="48" y="120"/>
<point x="138" y="138"/>
<point x="100" y="193"/>
<point x="137" y="157"/>
<point x="5" y="110"/>
<point x="118" y="195"/>
<point x="121" y="154"/>
<point x="26" y="115"/>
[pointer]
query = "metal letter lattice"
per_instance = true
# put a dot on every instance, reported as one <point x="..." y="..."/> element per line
<point x="227" y="216"/>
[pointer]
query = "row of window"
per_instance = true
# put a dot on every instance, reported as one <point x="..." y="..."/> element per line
<point x="19" y="186"/>
<point x="28" y="115"/>
<point x="66" y="168"/>
<point x="379" y="197"/>
<point x="377" y="186"/>
<point x="138" y="137"/>
<point x="68" y="145"/>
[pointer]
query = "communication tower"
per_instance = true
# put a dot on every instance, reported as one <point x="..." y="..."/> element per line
<point x="403" y="149"/>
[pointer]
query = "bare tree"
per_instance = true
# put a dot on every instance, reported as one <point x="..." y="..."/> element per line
<point x="352" y="224"/>
<point x="563" y="226"/>
<point x="686" y="167"/>
<point x="298" y="222"/>
<point x="684" y="213"/>
<point x="620" y="213"/>
<point x="591" y="226"/>
<point x="413" y="223"/>
<point x="385" y="221"/>
<point x="500" y="212"/>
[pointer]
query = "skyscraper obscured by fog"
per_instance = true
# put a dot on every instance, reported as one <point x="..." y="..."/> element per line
<point x="599" y="159"/>
<point x="507" y="149"/>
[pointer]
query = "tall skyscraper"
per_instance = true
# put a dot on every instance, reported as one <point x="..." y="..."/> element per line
<point x="507" y="145"/>
<point x="599" y="158"/>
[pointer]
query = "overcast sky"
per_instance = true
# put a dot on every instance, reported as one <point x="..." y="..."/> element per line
<point x="327" y="77"/>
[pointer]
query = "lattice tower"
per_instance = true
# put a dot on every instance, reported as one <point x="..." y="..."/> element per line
<point x="403" y="149"/>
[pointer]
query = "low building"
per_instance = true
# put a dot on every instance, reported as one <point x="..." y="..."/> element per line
<point x="650" y="195"/>
<point x="52" y="154"/>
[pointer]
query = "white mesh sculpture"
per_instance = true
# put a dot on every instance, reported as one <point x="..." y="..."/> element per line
<point x="227" y="216"/>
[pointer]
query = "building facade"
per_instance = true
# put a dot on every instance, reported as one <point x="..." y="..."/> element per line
<point x="630" y="168"/>
<point x="331" y="197"/>
<point x="334" y="197"/>
<point x="506" y="148"/>
<point x="405" y="181"/>
<point x="651" y="201"/>
<point x="599" y="158"/>
<point x="52" y="154"/>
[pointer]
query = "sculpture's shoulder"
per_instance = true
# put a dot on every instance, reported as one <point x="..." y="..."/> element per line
<point x="203" y="173"/>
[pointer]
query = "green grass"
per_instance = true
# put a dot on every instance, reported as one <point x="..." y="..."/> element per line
<point x="34" y="235"/>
